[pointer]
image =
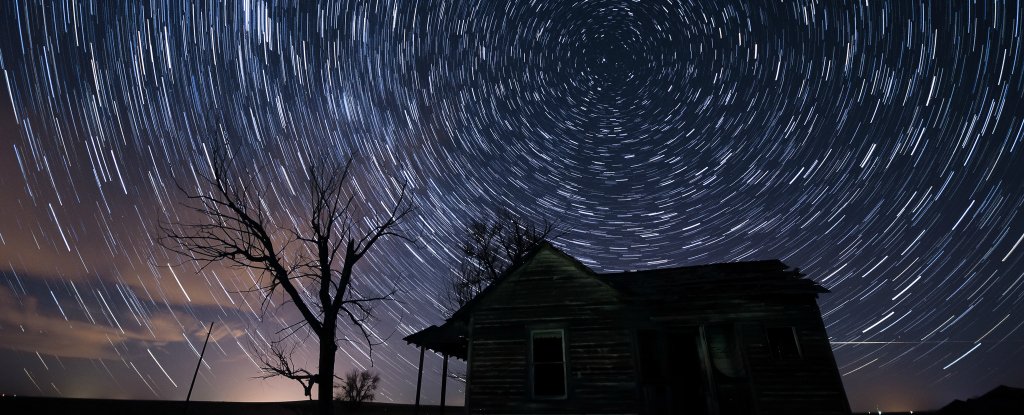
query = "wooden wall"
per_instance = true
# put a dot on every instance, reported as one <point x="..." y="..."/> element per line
<point x="551" y="292"/>
<point x="809" y="384"/>
<point x="600" y="325"/>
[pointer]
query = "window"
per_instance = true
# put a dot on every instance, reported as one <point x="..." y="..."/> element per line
<point x="783" y="342"/>
<point x="547" y="363"/>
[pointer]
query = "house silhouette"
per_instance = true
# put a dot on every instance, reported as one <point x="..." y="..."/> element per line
<point x="553" y="336"/>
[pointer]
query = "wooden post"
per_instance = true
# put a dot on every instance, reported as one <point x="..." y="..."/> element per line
<point x="444" y="382"/>
<point x="419" y="384"/>
<point x="189" y="397"/>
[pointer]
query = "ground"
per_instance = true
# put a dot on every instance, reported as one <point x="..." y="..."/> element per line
<point x="37" y="406"/>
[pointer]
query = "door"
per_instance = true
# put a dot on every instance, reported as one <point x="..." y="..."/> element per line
<point x="673" y="379"/>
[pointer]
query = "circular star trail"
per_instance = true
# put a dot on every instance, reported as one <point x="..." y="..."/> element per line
<point x="874" y="145"/>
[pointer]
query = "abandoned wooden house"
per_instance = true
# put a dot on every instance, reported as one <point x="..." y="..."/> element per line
<point x="553" y="336"/>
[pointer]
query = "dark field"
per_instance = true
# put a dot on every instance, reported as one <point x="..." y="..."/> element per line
<point x="55" y="406"/>
<point x="1001" y="401"/>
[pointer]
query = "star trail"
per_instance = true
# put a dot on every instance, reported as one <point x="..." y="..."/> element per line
<point x="876" y="145"/>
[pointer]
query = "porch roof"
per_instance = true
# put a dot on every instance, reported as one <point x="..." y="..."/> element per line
<point x="448" y="339"/>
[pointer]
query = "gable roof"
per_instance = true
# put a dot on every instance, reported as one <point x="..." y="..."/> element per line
<point x="463" y="312"/>
<point x="748" y="277"/>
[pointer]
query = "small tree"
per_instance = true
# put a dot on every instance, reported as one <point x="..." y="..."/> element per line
<point x="489" y="249"/>
<point x="358" y="386"/>
<point x="311" y="259"/>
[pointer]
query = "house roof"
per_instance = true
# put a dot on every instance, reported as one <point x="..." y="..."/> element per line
<point x="664" y="284"/>
<point x="733" y="278"/>
<point x="447" y="339"/>
<point x="463" y="312"/>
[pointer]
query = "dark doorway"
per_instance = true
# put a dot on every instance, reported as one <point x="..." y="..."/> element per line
<point x="673" y="379"/>
<point x="728" y="369"/>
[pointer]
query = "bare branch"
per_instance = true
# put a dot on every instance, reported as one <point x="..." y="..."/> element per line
<point x="490" y="248"/>
<point x="228" y="221"/>
<point x="278" y="362"/>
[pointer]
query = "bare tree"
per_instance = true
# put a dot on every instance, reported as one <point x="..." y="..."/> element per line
<point x="358" y="386"/>
<point x="489" y="249"/>
<point x="313" y="263"/>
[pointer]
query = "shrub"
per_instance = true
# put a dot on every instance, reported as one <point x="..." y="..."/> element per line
<point x="357" y="387"/>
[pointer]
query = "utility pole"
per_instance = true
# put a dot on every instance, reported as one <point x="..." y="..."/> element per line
<point x="200" y="363"/>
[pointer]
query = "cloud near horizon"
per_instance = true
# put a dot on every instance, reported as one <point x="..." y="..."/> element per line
<point x="24" y="326"/>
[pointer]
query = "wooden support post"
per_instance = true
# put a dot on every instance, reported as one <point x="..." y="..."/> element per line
<point x="419" y="384"/>
<point x="444" y="382"/>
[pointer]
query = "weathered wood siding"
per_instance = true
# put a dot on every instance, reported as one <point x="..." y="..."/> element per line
<point x="807" y="385"/>
<point x="551" y="292"/>
<point x="600" y="326"/>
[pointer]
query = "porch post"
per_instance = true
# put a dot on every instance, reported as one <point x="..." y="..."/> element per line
<point x="419" y="384"/>
<point x="444" y="382"/>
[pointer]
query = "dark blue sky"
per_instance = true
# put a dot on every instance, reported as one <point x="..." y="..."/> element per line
<point x="875" y="145"/>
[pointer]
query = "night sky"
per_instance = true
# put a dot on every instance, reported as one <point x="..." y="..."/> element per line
<point x="875" y="145"/>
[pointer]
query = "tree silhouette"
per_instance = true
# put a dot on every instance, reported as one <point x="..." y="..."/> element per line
<point x="358" y="386"/>
<point x="490" y="248"/>
<point x="312" y="262"/>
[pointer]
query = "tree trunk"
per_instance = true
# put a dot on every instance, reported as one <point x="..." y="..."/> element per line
<point x="325" y="380"/>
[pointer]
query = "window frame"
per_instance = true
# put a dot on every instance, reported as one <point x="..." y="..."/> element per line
<point x="531" y="381"/>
